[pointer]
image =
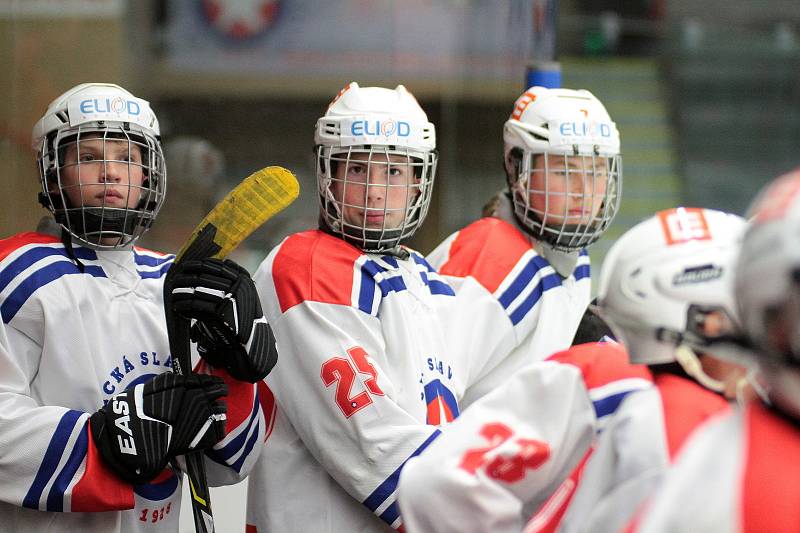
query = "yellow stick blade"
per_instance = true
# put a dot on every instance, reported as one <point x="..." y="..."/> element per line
<point x="255" y="200"/>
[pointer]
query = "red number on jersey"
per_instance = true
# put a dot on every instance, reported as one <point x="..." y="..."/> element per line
<point x="341" y="371"/>
<point x="530" y="454"/>
<point x="496" y="433"/>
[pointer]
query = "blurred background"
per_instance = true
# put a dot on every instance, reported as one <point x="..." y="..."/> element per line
<point x="706" y="93"/>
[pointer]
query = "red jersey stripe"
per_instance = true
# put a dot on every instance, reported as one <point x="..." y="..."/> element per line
<point x="314" y="266"/>
<point x="686" y="405"/>
<point x="601" y="363"/>
<point x="99" y="489"/>
<point x="771" y="494"/>
<point x="487" y="250"/>
<point x="7" y="246"/>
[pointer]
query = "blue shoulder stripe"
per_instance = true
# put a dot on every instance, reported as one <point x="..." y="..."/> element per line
<point x="388" y="487"/>
<point x="51" y="458"/>
<point x="583" y="271"/>
<point x="609" y="404"/>
<point x="25" y="260"/>
<point x="545" y="284"/>
<point x="522" y="280"/>
<point x="40" y="278"/>
<point x="436" y="286"/>
<point x="150" y="274"/>
<point x="149" y="260"/>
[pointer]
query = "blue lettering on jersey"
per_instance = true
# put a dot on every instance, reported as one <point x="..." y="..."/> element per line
<point x="144" y="364"/>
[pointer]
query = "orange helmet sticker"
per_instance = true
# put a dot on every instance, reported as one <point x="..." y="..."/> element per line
<point x="684" y="224"/>
<point x="521" y="103"/>
<point x="340" y="93"/>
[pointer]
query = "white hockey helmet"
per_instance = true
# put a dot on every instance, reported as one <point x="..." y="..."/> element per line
<point x="664" y="275"/>
<point x="108" y="112"/>
<point x="569" y="128"/>
<point x="374" y="124"/>
<point x="768" y="274"/>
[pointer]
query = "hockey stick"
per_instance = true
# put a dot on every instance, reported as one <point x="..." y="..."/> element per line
<point x="254" y="201"/>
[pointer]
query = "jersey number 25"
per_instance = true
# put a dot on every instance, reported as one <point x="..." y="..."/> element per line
<point x="343" y="372"/>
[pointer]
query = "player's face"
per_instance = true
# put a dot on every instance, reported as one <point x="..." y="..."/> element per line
<point x="569" y="189"/>
<point x="102" y="173"/>
<point x="375" y="190"/>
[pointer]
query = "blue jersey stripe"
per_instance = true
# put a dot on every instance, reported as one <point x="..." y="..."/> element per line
<point x="366" y="294"/>
<point x="440" y="287"/>
<point x="24" y="261"/>
<point x="55" y="500"/>
<point x="391" y="513"/>
<point x="609" y="404"/>
<point x="522" y="280"/>
<point x="388" y="285"/>
<point x="149" y="260"/>
<point x="157" y="491"/>
<point x="387" y="488"/>
<point x="247" y="449"/>
<point x="435" y="286"/>
<point x="545" y="284"/>
<point x="583" y="271"/>
<point x="222" y="455"/>
<point x="51" y="458"/>
<point x="149" y="274"/>
<point x="39" y="279"/>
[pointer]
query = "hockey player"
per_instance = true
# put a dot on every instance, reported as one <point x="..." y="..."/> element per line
<point x="91" y="415"/>
<point x="739" y="473"/>
<point x="564" y="174"/>
<point x="666" y="289"/>
<point x="660" y="277"/>
<point x="376" y="349"/>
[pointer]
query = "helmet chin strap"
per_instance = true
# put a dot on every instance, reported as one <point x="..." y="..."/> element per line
<point x="686" y="357"/>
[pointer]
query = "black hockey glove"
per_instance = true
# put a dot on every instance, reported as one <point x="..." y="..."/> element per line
<point x="230" y="329"/>
<point x="140" y="430"/>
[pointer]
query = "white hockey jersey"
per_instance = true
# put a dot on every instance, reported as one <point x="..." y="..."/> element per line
<point x="478" y="259"/>
<point x="509" y="451"/>
<point x="737" y="474"/>
<point x="635" y="450"/>
<point x="71" y="338"/>
<point x="375" y="352"/>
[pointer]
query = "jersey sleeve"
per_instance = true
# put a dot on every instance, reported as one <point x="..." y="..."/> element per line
<point x="512" y="447"/>
<point x="48" y="460"/>
<point x="232" y="458"/>
<point x="501" y="280"/>
<point x="330" y="386"/>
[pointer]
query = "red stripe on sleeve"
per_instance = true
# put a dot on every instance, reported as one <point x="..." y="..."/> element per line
<point x="487" y="250"/>
<point x="99" y="489"/>
<point x="268" y="407"/>
<point x="240" y="398"/>
<point x="7" y="246"/>
<point x="314" y="266"/>
<point x="686" y="405"/>
<point x="601" y="363"/>
<point x="771" y="493"/>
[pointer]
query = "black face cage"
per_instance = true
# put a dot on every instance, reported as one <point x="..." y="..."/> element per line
<point x="104" y="227"/>
<point x="388" y="234"/>
<point x="599" y="173"/>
